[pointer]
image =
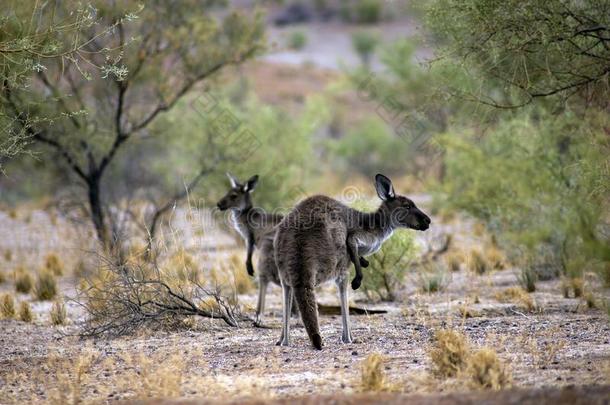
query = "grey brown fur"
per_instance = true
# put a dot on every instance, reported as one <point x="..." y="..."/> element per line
<point x="317" y="240"/>
<point x="257" y="228"/>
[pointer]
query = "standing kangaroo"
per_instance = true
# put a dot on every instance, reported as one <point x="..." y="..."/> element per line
<point x="257" y="228"/>
<point x="317" y="240"/>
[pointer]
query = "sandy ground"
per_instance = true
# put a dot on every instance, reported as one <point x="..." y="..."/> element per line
<point x="561" y="343"/>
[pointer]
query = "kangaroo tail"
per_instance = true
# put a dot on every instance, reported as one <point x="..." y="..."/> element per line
<point x="306" y="301"/>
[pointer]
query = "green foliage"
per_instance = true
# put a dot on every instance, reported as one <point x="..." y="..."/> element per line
<point x="369" y="148"/>
<point x="297" y="40"/>
<point x="532" y="49"/>
<point x="364" y="44"/>
<point x="367" y="11"/>
<point x="539" y="181"/>
<point x="388" y="267"/>
<point x="267" y="141"/>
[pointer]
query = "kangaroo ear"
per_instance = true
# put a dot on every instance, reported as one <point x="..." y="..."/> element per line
<point x="251" y="183"/>
<point x="233" y="180"/>
<point x="384" y="187"/>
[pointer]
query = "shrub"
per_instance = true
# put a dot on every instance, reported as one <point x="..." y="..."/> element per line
<point x="297" y="40"/>
<point x="433" y="278"/>
<point x="454" y="261"/>
<point x="387" y="267"/>
<point x="372" y="374"/>
<point x="364" y="44"/>
<point x="590" y="300"/>
<point x="368" y="11"/>
<point x="7" y="306"/>
<point x="527" y="278"/>
<point x="8" y="255"/>
<point x="495" y="258"/>
<point x="518" y="295"/>
<point x="2" y="277"/>
<point x="578" y="286"/>
<point x="23" y="281"/>
<point x="25" y="312"/>
<point x="53" y="264"/>
<point x="58" y="313"/>
<point x="477" y="262"/>
<point x="486" y="371"/>
<point x="449" y="353"/>
<point x="46" y="286"/>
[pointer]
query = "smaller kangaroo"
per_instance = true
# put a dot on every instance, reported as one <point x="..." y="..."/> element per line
<point x="257" y="228"/>
<point x="319" y="238"/>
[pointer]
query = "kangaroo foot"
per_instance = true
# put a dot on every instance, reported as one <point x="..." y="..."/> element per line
<point x="356" y="282"/>
<point x="347" y="337"/>
<point x="363" y="262"/>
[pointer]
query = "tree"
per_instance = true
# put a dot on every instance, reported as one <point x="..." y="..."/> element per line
<point x="532" y="49"/>
<point x="30" y="38"/>
<point x="168" y="50"/>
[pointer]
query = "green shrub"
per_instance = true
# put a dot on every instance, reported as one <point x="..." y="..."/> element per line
<point x="368" y="11"/>
<point x="527" y="279"/>
<point x="46" y="286"/>
<point x="364" y="44"/>
<point x="297" y="40"/>
<point x="387" y="267"/>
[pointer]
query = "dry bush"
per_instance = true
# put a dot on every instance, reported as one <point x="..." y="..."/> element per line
<point x="81" y="269"/>
<point x="154" y="378"/>
<point x="8" y="255"/>
<point x="53" y="264"/>
<point x="495" y="258"/>
<point x="181" y="268"/>
<point x="2" y="277"/>
<point x="242" y="282"/>
<point x="7" y="306"/>
<point x="23" y="281"/>
<point x="517" y="295"/>
<point x="466" y="312"/>
<point x="433" y="278"/>
<point x="72" y="376"/>
<point x="372" y="374"/>
<point x="449" y="352"/>
<point x="590" y="300"/>
<point x="58" y="313"/>
<point x="528" y="278"/>
<point x="122" y="298"/>
<point x="46" y="286"/>
<point x="484" y="370"/>
<point x="25" y="312"/>
<point x="454" y="260"/>
<point x="477" y="262"/>
<point x="578" y="286"/>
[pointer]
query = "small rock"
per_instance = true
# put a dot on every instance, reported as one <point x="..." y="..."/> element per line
<point x="354" y="353"/>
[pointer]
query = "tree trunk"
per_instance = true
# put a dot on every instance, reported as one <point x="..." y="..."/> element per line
<point x="97" y="210"/>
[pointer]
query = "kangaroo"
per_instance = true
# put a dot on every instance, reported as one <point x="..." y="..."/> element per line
<point x="257" y="228"/>
<point x="318" y="239"/>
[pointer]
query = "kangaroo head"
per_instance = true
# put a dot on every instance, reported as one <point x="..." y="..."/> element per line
<point x="403" y="213"/>
<point x="238" y="196"/>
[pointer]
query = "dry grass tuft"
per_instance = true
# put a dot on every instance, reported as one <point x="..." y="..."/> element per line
<point x="495" y="258"/>
<point x="517" y="295"/>
<point x="7" y="306"/>
<point x="485" y="370"/>
<point x="25" y="312"/>
<point x="23" y="281"/>
<point x="46" y="286"/>
<point x="242" y="282"/>
<point x="53" y="264"/>
<point x="372" y="374"/>
<point x="449" y="353"/>
<point x="58" y="313"/>
<point x="8" y="255"/>
<point x="157" y="379"/>
<point x="454" y="260"/>
<point x="578" y="285"/>
<point x="477" y="262"/>
<point x="591" y="300"/>
<point x="2" y="277"/>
